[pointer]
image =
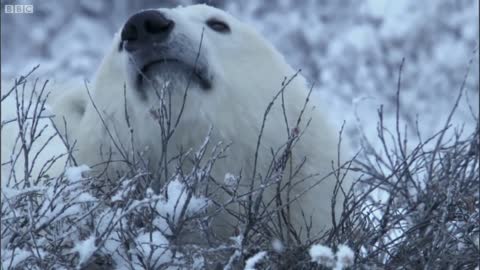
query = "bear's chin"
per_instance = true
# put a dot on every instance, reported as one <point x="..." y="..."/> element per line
<point x="170" y="74"/>
<point x="162" y="75"/>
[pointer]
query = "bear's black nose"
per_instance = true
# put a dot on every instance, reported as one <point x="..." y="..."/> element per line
<point x="144" y="28"/>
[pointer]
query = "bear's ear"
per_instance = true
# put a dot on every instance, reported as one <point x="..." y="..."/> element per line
<point x="71" y="105"/>
<point x="78" y="103"/>
<point x="79" y="106"/>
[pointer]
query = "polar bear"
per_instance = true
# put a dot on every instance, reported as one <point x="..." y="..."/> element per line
<point x="220" y="75"/>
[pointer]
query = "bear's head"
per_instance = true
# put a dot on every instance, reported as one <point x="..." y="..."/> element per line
<point x="208" y="46"/>
<point x="214" y="70"/>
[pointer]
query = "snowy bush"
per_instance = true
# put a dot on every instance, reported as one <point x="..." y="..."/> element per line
<point x="413" y="206"/>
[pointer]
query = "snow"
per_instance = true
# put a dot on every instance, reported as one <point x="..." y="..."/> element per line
<point x="85" y="197"/>
<point x="237" y="240"/>
<point x="198" y="263"/>
<point x="18" y="255"/>
<point x="94" y="6"/>
<point x="322" y="255"/>
<point x="176" y="199"/>
<point x="85" y="249"/>
<point x="74" y="174"/>
<point x="252" y="261"/>
<point x="230" y="179"/>
<point x="345" y="257"/>
<point x="155" y="245"/>
<point x="450" y="52"/>
<point x="14" y="192"/>
<point x="277" y="245"/>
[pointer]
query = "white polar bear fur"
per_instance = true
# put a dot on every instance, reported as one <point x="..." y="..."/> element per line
<point x="248" y="72"/>
<point x="47" y="149"/>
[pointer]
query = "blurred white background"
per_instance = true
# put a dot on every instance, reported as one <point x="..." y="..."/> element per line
<point x="350" y="49"/>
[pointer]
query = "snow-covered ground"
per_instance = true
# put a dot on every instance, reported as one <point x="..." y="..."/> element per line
<point x="350" y="50"/>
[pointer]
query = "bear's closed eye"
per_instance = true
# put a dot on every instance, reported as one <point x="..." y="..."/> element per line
<point x="218" y="25"/>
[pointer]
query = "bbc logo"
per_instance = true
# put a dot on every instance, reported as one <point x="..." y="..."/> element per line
<point x="19" y="9"/>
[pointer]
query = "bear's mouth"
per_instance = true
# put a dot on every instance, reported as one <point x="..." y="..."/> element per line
<point x="194" y="72"/>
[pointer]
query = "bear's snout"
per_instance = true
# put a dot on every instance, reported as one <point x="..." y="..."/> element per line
<point x="144" y="28"/>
